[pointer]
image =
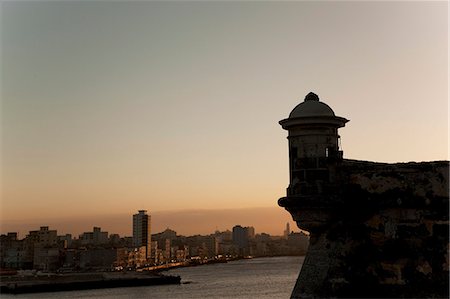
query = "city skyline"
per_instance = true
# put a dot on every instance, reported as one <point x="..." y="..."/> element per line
<point x="108" y="108"/>
<point x="90" y="227"/>
<point x="45" y="249"/>
<point x="185" y="222"/>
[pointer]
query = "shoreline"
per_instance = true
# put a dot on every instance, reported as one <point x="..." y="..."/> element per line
<point x="56" y="282"/>
<point x="83" y="281"/>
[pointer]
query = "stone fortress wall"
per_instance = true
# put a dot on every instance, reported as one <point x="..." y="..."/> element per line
<point x="376" y="230"/>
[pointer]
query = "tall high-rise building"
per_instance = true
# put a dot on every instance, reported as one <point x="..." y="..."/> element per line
<point x="142" y="231"/>
<point x="240" y="236"/>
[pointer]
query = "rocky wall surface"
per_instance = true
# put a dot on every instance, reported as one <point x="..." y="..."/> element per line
<point x="382" y="230"/>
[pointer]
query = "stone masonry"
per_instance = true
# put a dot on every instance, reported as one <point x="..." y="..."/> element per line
<point x="377" y="230"/>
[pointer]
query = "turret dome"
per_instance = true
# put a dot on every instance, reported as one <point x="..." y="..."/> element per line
<point x="311" y="106"/>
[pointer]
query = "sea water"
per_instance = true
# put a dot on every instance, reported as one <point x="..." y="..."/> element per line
<point x="272" y="277"/>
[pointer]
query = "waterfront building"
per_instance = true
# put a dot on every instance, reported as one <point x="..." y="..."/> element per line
<point x="159" y="256"/>
<point x="262" y="247"/>
<point x="47" y="258"/>
<point x="137" y="257"/>
<point x="228" y="248"/>
<point x="153" y="250"/>
<point x="11" y="251"/>
<point x="44" y="236"/>
<point x="142" y="231"/>
<point x="98" y="258"/>
<point x="40" y="249"/>
<point x="180" y="255"/>
<point x="241" y="239"/>
<point x="210" y="246"/>
<point x="121" y="261"/>
<point x="167" y="251"/>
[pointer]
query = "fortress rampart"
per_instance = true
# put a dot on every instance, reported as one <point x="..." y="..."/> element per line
<point x="376" y="230"/>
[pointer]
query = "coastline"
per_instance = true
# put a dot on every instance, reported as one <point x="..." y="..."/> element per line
<point x="56" y="282"/>
<point x="82" y="281"/>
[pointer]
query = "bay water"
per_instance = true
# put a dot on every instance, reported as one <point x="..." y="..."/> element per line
<point x="264" y="278"/>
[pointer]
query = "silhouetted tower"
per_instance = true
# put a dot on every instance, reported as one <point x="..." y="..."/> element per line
<point x="241" y="238"/>
<point x="287" y="231"/>
<point x="142" y="231"/>
<point x="313" y="146"/>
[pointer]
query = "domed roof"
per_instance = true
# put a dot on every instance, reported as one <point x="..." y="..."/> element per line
<point x="311" y="106"/>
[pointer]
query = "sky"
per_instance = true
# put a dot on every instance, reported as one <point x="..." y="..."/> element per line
<point x="112" y="107"/>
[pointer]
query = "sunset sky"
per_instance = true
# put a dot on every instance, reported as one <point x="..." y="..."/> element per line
<point x="112" y="107"/>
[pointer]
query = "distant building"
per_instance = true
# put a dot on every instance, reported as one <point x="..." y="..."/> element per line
<point x="98" y="258"/>
<point x="299" y="242"/>
<point x="11" y="251"/>
<point x="287" y="231"/>
<point x="167" y="252"/>
<point x="96" y="237"/>
<point x="40" y="250"/>
<point x="142" y="231"/>
<point x="153" y="251"/>
<point x="114" y="239"/>
<point x="47" y="258"/>
<point x="66" y="240"/>
<point x="167" y="234"/>
<point x="241" y="238"/>
<point x="224" y="236"/>
<point x="250" y="232"/>
<point x="44" y="236"/>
